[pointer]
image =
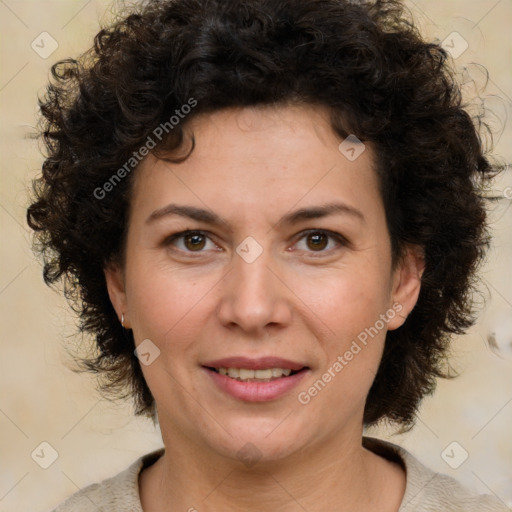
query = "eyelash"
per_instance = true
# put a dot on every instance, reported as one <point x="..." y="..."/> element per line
<point x="340" y="239"/>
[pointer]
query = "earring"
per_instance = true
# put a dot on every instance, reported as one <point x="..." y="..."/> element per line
<point x="122" y="320"/>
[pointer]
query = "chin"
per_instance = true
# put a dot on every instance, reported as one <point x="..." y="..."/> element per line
<point x="261" y="440"/>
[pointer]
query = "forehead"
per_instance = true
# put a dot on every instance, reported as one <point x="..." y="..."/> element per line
<point x="264" y="157"/>
<point x="266" y="134"/>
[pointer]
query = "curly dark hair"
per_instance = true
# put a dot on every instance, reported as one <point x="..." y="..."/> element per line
<point x="364" y="61"/>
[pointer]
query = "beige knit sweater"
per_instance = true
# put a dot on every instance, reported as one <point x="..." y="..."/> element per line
<point x="425" y="491"/>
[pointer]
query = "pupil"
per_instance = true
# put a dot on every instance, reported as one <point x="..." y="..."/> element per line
<point x="317" y="241"/>
<point x="194" y="242"/>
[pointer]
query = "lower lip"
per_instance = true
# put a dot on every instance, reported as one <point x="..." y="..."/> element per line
<point x="256" y="391"/>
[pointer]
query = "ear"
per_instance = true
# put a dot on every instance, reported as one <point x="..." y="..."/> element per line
<point x="114" y="278"/>
<point x="406" y="284"/>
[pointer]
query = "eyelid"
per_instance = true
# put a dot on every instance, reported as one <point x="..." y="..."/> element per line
<point x="187" y="232"/>
<point x="338" y="237"/>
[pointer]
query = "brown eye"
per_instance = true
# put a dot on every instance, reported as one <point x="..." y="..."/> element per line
<point x="194" y="242"/>
<point x="317" y="241"/>
<point x="320" y="241"/>
<point x="187" y="242"/>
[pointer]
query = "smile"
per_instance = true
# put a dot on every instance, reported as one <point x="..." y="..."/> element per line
<point x="255" y="380"/>
<point x="249" y="375"/>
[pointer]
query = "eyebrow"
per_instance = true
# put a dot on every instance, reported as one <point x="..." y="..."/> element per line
<point x="208" y="217"/>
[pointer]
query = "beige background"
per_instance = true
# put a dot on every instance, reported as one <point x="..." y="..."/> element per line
<point x="42" y="401"/>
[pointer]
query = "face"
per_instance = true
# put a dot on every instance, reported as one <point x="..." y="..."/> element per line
<point x="264" y="256"/>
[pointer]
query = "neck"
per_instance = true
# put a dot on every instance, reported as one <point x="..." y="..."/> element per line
<point x="331" y="475"/>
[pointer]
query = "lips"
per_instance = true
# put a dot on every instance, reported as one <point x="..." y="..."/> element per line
<point x="255" y="389"/>
<point x="261" y="363"/>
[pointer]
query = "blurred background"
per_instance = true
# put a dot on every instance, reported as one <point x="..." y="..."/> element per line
<point x="464" y="430"/>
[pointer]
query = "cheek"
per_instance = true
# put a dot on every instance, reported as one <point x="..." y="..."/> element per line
<point x="169" y="311"/>
<point x="157" y="299"/>
<point x="346" y="300"/>
<point x="347" y="306"/>
<point x="350" y="308"/>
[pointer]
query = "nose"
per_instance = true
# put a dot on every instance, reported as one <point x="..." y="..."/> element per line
<point x="254" y="296"/>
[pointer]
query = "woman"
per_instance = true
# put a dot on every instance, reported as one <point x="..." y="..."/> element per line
<point x="271" y="216"/>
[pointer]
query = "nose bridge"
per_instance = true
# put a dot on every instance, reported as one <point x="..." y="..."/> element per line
<point x="253" y="297"/>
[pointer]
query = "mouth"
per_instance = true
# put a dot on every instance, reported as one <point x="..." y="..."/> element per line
<point x="255" y="380"/>
<point x="249" y="375"/>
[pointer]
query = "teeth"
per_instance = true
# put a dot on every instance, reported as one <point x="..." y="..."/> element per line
<point x="263" y="374"/>
<point x="234" y="373"/>
<point x="247" y="374"/>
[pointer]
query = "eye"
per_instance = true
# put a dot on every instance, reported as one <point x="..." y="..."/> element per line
<point x="320" y="241"/>
<point x="311" y="241"/>
<point x="191" y="241"/>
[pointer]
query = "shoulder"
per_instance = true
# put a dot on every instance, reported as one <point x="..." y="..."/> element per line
<point x="428" y="491"/>
<point x="118" y="493"/>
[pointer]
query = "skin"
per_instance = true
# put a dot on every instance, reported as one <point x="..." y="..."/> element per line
<point x="297" y="300"/>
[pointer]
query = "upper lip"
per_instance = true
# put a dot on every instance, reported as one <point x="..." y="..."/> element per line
<point x="260" y="363"/>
